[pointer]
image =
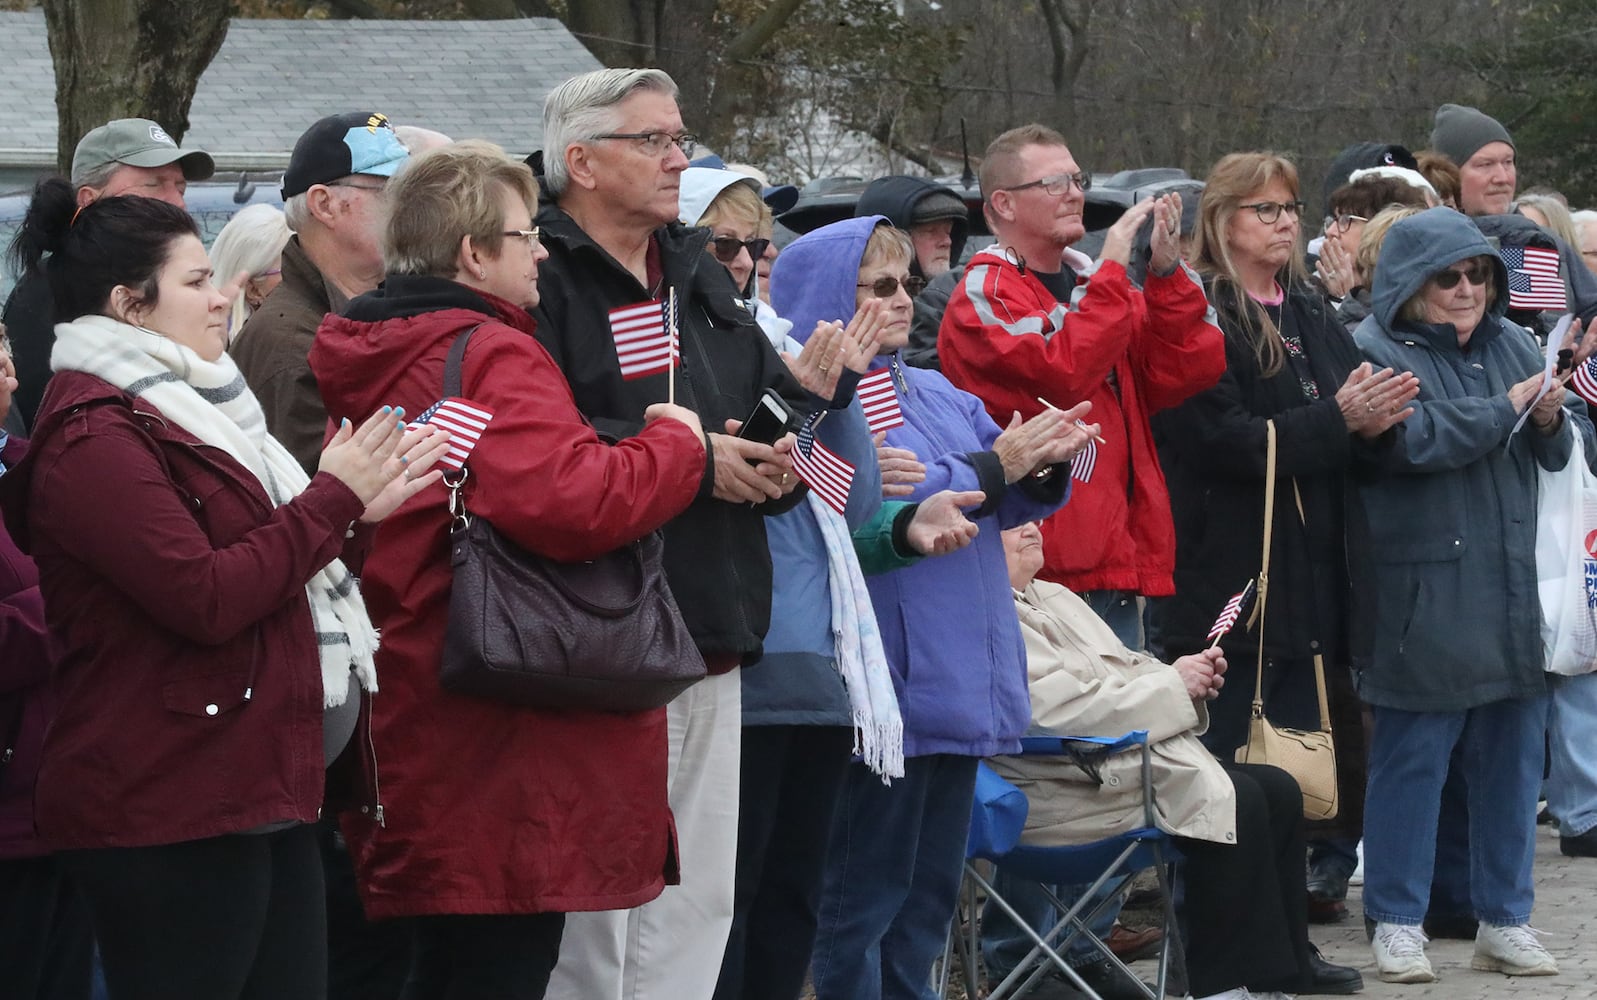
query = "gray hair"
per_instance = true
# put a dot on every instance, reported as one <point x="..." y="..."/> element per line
<point x="252" y="241"/>
<point x="97" y="176"/>
<point x="584" y="107"/>
<point x="295" y="211"/>
<point x="1584" y="217"/>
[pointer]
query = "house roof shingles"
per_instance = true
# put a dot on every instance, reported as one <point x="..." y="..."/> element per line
<point x="273" y="78"/>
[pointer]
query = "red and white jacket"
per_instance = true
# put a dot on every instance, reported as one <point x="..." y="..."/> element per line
<point x="1131" y="353"/>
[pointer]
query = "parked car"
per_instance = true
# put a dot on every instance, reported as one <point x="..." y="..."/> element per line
<point x="212" y="203"/>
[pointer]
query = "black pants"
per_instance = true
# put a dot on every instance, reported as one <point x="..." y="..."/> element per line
<point x="46" y="945"/>
<point x="227" y="918"/>
<point x="1244" y="913"/>
<point x="366" y="959"/>
<point x="791" y="783"/>
<point x="468" y="957"/>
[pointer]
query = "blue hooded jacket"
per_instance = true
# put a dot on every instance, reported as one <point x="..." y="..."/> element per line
<point x="1457" y="616"/>
<point x="948" y="624"/>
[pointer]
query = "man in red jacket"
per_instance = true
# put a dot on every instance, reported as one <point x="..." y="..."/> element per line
<point x="1034" y="323"/>
<point x="1033" y="320"/>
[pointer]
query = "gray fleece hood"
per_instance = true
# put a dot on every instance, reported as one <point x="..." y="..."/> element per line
<point x="1420" y="246"/>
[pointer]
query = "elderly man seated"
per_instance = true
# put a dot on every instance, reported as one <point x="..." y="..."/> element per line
<point x="1240" y="827"/>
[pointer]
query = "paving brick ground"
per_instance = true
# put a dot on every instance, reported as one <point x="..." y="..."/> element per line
<point x="1566" y="911"/>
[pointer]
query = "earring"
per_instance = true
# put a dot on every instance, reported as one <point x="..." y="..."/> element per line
<point x="482" y="274"/>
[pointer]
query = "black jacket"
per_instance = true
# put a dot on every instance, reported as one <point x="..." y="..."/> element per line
<point x="716" y="556"/>
<point x="29" y="319"/>
<point x="1212" y="448"/>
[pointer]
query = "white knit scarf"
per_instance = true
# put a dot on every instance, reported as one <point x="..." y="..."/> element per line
<point x="210" y="400"/>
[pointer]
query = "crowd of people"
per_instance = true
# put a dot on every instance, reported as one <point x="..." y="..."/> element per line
<point x="1004" y="492"/>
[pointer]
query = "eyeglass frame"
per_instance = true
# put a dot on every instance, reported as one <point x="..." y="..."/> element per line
<point x="1275" y="208"/>
<point x="751" y="244"/>
<point x="685" y="141"/>
<point x="530" y="235"/>
<point x="913" y="284"/>
<point x="379" y="188"/>
<point x="1342" y="222"/>
<point x="1479" y="265"/>
<point x="1080" y="179"/>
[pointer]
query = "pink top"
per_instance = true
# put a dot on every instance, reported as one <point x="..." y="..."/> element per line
<point x="1274" y="300"/>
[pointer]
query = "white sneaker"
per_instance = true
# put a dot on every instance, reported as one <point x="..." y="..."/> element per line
<point x="1357" y="878"/>
<point x="1400" y="954"/>
<point x="1240" y="993"/>
<point x="1513" y="951"/>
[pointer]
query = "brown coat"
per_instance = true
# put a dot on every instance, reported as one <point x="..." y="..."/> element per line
<point x="1085" y="682"/>
<point x="273" y="351"/>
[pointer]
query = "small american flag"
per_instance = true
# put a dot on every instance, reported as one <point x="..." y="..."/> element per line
<point x="1584" y="381"/>
<point x="821" y="469"/>
<point x="1231" y="612"/>
<point x="644" y="345"/>
<point x="464" y="420"/>
<point x="880" y="400"/>
<point x="1085" y="461"/>
<point x="1533" y="279"/>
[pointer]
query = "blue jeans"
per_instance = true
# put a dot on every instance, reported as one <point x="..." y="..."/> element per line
<point x="1501" y="753"/>
<point x="1572" y="786"/>
<point x="1003" y="944"/>
<point x="892" y="879"/>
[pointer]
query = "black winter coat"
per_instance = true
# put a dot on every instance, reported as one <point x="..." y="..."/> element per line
<point x="1212" y="448"/>
<point x="716" y="557"/>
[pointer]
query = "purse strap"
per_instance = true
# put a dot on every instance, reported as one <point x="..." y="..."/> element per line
<point x="456" y="482"/>
<point x="1264" y="582"/>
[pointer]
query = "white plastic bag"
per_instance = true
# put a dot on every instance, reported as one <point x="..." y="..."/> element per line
<point x="1566" y="563"/>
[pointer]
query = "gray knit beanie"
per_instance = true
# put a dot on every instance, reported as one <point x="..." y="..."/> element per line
<point x="1461" y="131"/>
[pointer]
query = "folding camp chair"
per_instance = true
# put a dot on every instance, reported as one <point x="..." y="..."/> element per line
<point x="997" y="819"/>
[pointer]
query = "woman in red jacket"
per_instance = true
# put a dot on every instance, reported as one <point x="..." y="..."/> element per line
<point x="202" y="621"/>
<point x="498" y="820"/>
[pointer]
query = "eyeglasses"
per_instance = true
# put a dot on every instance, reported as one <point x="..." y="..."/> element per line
<point x="1057" y="184"/>
<point x="1341" y="223"/>
<point x="267" y="274"/>
<point x="374" y="188"/>
<point x="530" y="235"/>
<point x="657" y="143"/>
<point x="1476" y="273"/>
<point x="1269" y="211"/>
<point x="887" y="287"/>
<point x="726" y="248"/>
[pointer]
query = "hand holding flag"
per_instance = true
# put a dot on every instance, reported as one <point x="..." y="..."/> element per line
<point x="822" y="470"/>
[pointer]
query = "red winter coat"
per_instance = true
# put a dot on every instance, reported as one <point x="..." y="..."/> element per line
<point x="189" y="686"/>
<point x="488" y="808"/>
<point x="1006" y="339"/>
<point x="26" y="703"/>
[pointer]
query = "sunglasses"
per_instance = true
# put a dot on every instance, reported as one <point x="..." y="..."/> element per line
<point x="886" y="288"/>
<point x="726" y="248"/>
<point x="1477" y="273"/>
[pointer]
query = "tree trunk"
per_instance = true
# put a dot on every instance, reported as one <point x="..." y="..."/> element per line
<point x="129" y="59"/>
<point x="617" y="32"/>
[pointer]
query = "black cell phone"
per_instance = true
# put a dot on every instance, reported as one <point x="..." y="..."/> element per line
<point x="771" y="418"/>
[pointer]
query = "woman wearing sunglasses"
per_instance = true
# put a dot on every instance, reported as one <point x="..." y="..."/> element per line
<point x="1456" y="661"/>
<point x="1288" y="360"/>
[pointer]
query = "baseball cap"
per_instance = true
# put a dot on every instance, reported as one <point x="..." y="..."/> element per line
<point x="358" y="142"/>
<point x="136" y="142"/>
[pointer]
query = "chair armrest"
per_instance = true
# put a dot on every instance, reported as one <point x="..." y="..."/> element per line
<point x="1101" y="744"/>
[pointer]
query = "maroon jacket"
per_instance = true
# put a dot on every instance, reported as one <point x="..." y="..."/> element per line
<point x="189" y="683"/>
<point x="25" y="700"/>
<point x="490" y="808"/>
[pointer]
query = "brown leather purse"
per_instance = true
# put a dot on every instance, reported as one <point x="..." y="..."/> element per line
<point x="602" y="635"/>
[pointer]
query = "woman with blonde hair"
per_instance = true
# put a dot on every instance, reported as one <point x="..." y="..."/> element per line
<point x="250" y="244"/>
<point x="503" y="818"/>
<point x="1288" y="361"/>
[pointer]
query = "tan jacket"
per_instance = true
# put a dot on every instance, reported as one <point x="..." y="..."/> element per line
<point x="1084" y="682"/>
<point x="273" y="350"/>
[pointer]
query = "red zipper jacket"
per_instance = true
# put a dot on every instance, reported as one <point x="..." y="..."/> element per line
<point x="1131" y="353"/>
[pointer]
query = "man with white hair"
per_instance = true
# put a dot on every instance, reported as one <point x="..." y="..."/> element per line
<point x="333" y="198"/>
<point x="127" y="156"/>
<point x="615" y="149"/>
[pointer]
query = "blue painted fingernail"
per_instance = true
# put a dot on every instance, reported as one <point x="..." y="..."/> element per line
<point x="404" y="460"/>
<point x="387" y="410"/>
<point x="346" y="422"/>
<point x="399" y="410"/>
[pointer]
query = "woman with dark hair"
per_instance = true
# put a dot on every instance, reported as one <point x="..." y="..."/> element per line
<point x="1456" y="665"/>
<point x="1289" y="361"/>
<point x="505" y="817"/>
<point x="210" y="644"/>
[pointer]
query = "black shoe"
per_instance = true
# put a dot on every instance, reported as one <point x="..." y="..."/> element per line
<point x="1546" y="817"/>
<point x="1582" y="845"/>
<point x="1327" y="887"/>
<point x="1109" y="982"/>
<point x="1326" y="979"/>
<point x="1453" y="926"/>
